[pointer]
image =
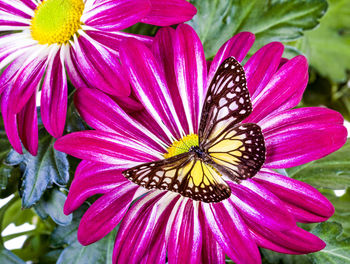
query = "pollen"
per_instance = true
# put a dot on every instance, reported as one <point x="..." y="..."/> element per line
<point x="56" y="21"/>
<point x="182" y="146"/>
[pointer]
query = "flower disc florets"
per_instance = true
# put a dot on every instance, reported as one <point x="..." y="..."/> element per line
<point x="56" y="21"/>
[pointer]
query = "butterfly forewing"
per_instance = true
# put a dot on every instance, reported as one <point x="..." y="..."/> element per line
<point x="227" y="102"/>
<point x="185" y="174"/>
<point x="239" y="152"/>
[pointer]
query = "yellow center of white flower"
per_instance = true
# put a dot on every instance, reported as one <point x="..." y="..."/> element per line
<point x="181" y="146"/>
<point x="56" y="21"/>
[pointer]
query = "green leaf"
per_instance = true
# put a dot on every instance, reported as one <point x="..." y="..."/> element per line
<point x="5" y="145"/>
<point x="276" y="20"/>
<point x="14" y="214"/>
<point x="51" y="205"/>
<point x="39" y="172"/>
<point x="331" y="172"/>
<point x="97" y="253"/>
<point x="337" y="250"/>
<point x="7" y="257"/>
<point x="327" y="47"/>
<point x="342" y="209"/>
<point x="272" y="257"/>
<point x="66" y="235"/>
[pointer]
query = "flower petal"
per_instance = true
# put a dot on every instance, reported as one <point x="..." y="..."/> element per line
<point x="142" y="231"/>
<point x="105" y="213"/>
<point x="113" y="40"/>
<point x="261" y="66"/>
<point x="92" y="178"/>
<point x="191" y="73"/>
<point x="54" y="96"/>
<point x="10" y="123"/>
<point x="305" y="202"/>
<point x="17" y="8"/>
<point x="256" y="203"/>
<point x="106" y="115"/>
<point x="28" y="126"/>
<point x="293" y="241"/>
<point x="301" y="135"/>
<point x="116" y="15"/>
<point x="237" y="46"/>
<point x="169" y="12"/>
<point x="231" y="232"/>
<point x="105" y="147"/>
<point x="211" y="251"/>
<point x="164" y="39"/>
<point x="284" y="90"/>
<point x="26" y="81"/>
<point x="150" y="85"/>
<point x="99" y="66"/>
<point x="185" y="240"/>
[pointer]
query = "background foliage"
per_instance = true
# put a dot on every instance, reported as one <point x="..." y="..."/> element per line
<point x="37" y="186"/>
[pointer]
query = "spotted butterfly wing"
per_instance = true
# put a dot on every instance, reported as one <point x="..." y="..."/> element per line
<point x="238" y="150"/>
<point x="227" y="101"/>
<point x="185" y="174"/>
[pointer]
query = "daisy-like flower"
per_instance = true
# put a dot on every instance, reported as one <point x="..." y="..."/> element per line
<point x="47" y="38"/>
<point x="178" y="223"/>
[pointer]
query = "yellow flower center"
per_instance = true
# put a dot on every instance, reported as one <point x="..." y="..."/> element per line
<point x="181" y="146"/>
<point x="56" y="21"/>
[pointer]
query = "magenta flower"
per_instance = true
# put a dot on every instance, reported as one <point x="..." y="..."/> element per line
<point x="171" y="81"/>
<point x="81" y="37"/>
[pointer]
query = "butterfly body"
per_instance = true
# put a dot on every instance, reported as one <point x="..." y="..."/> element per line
<point x="226" y="150"/>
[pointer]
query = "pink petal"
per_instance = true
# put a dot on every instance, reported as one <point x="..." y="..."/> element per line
<point x="138" y="232"/>
<point x="113" y="40"/>
<point x="305" y="202"/>
<point x="54" y="96"/>
<point x="284" y="90"/>
<point x="104" y="147"/>
<point x="149" y="84"/>
<point x="293" y="241"/>
<point x="105" y="214"/>
<point x="259" y="205"/>
<point x="100" y="67"/>
<point x="164" y="39"/>
<point x="185" y="240"/>
<point x="261" y="66"/>
<point x="10" y="123"/>
<point x="237" y="46"/>
<point x="301" y="135"/>
<point x="116" y="15"/>
<point x="25" y="83"/>
<point x="28" y="126"/>
<point x="191" y="73"/>
<point x="156" y="251"/>
<point x="169" y="12"/>
<point x="16" y="8"/>
<point x="106" y="115"/>
<point x="231" y="232"/>
<point x="92" y="178"/>
<point x="211" y="251"/>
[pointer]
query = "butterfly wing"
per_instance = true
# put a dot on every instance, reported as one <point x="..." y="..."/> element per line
<point x="227" y="102"/>
<point x="239" y="153"/>
<point x="238" y="150"/>
<point x="185" y="174"/>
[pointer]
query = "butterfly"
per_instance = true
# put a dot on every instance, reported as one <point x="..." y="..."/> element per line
<point x="227" y="148"/>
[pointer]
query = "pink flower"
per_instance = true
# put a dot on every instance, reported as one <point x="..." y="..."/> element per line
<point x="81" y="37"/>
<point x="171" y="82"/>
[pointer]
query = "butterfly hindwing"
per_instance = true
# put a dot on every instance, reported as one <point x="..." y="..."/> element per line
<point x="185" y="174"/>
<point x="227" y="101"/>
<point x="239" y="152"/>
